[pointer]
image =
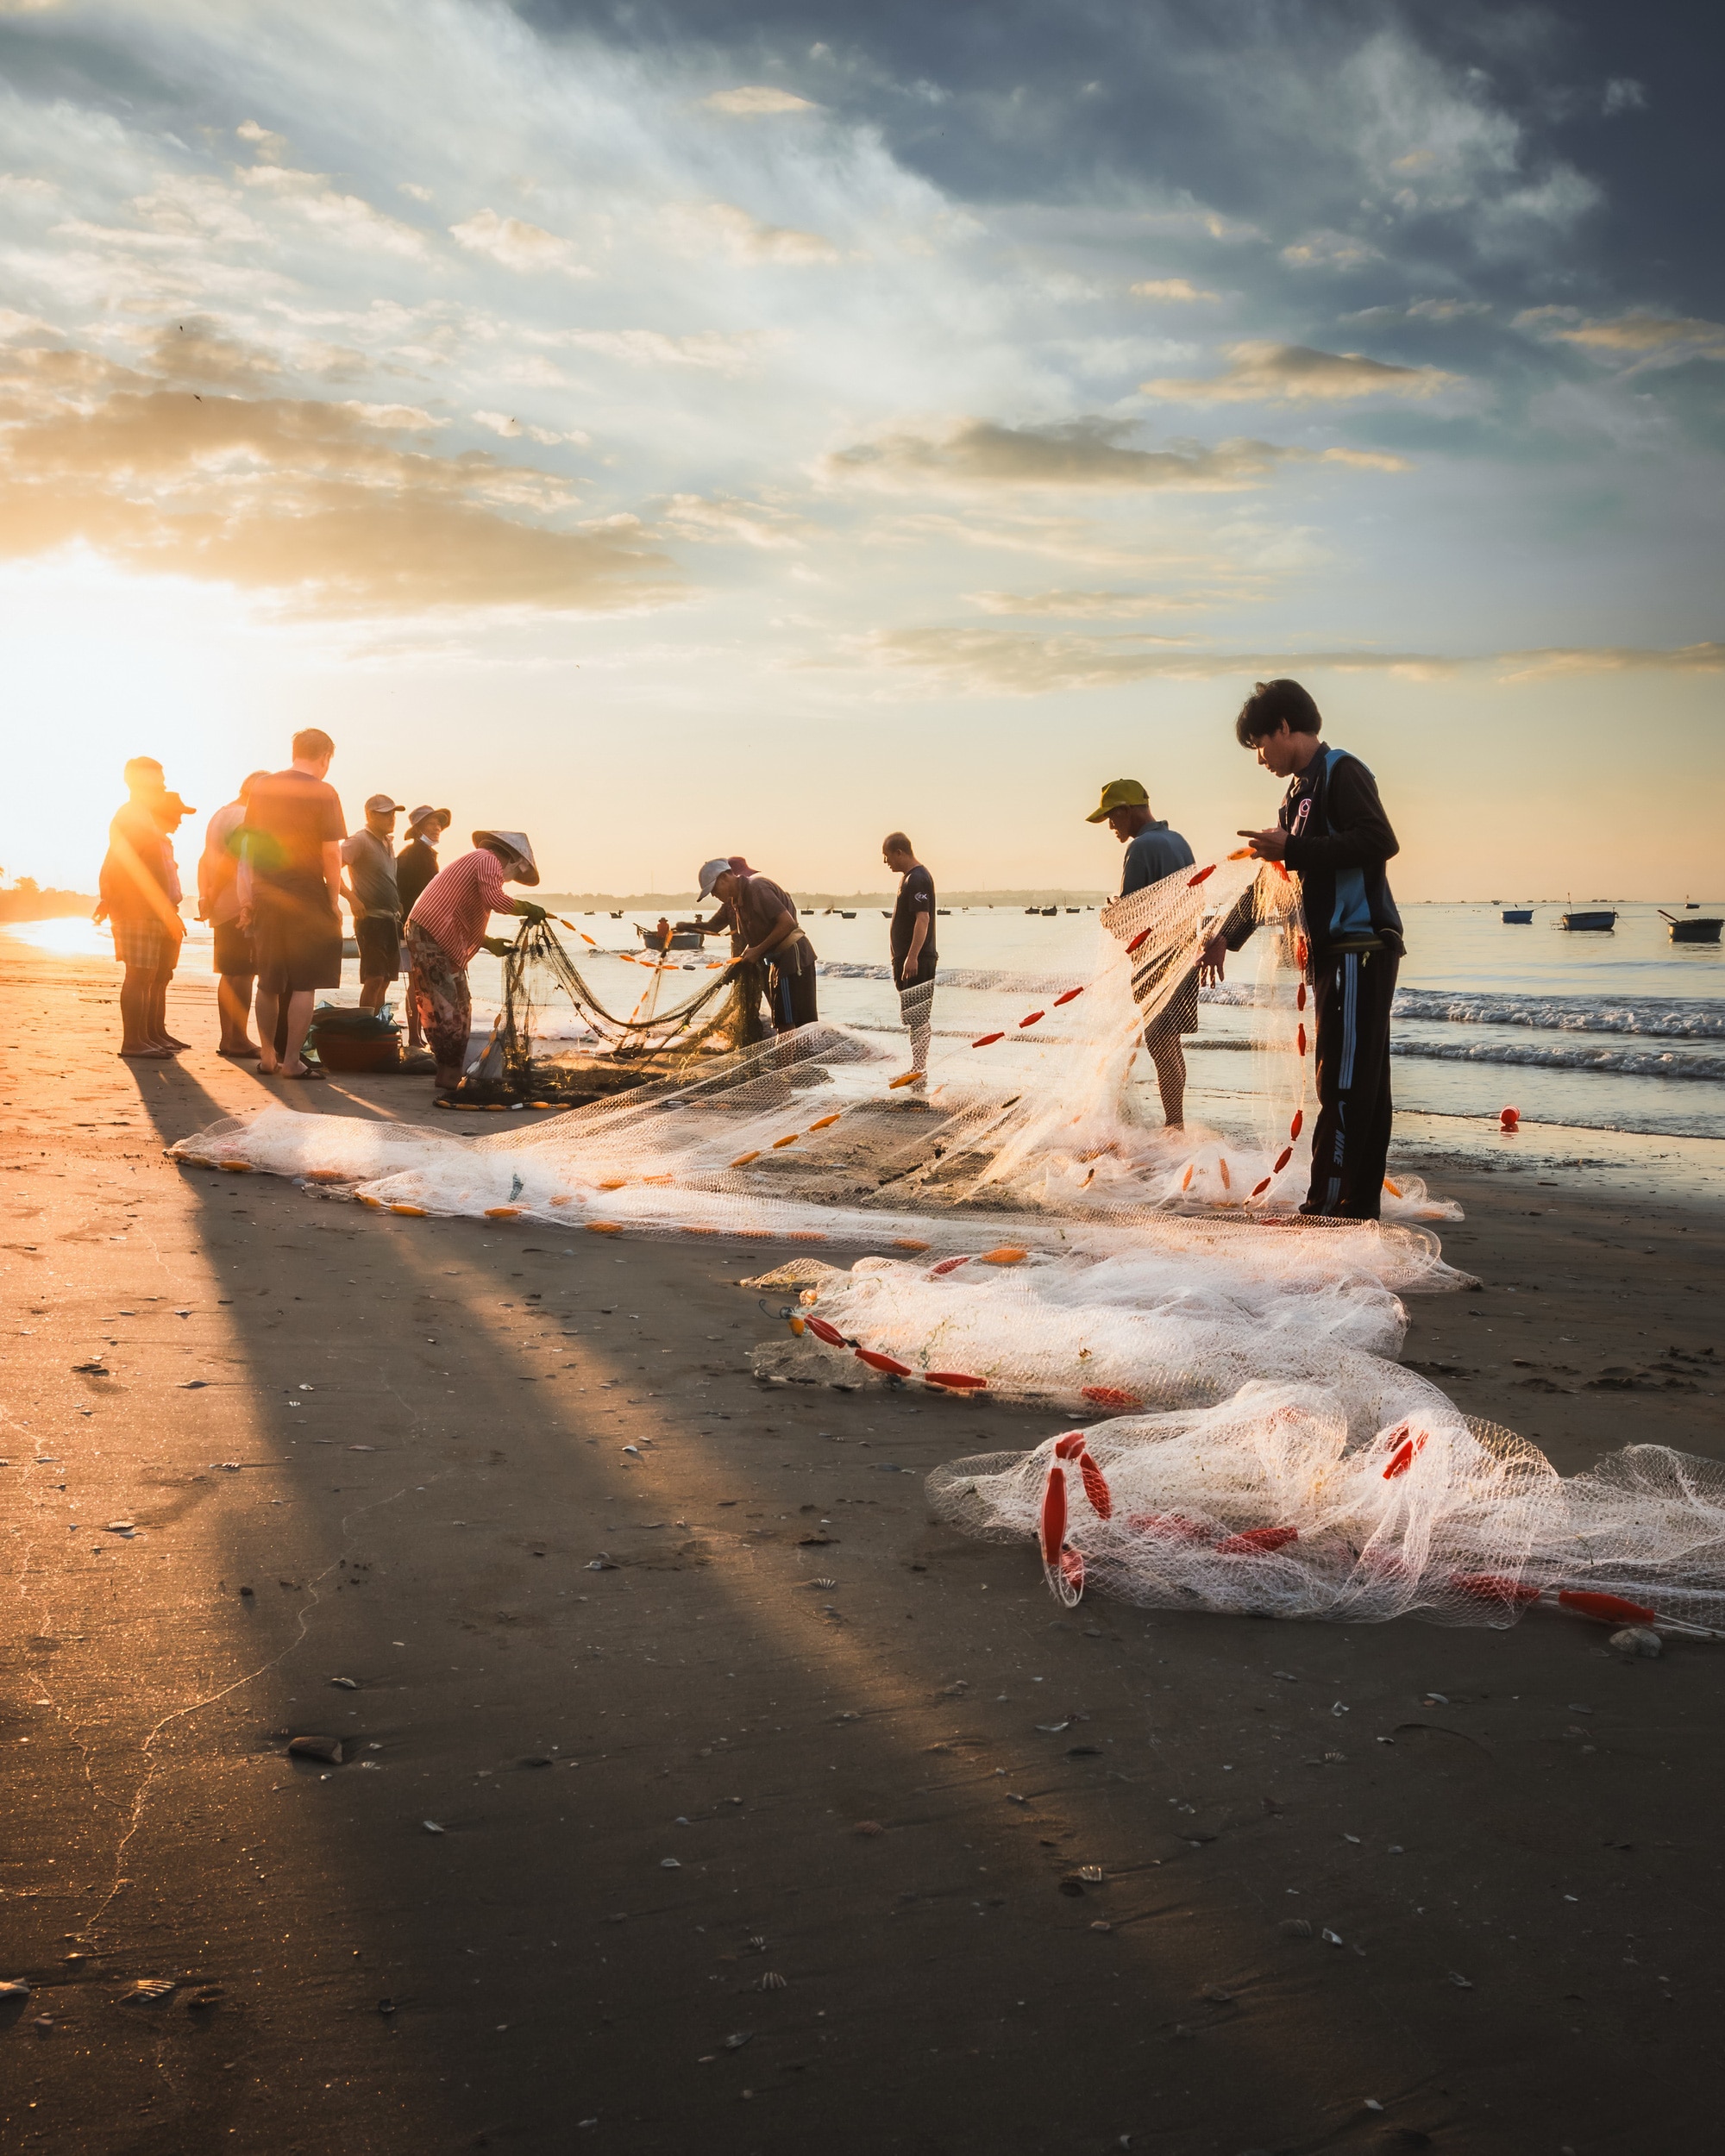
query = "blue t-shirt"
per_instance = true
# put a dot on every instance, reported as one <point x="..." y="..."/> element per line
<point x="1155" y="852"/>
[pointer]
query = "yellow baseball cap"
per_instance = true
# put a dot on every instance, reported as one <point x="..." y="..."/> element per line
<point x="1119" y="793"/>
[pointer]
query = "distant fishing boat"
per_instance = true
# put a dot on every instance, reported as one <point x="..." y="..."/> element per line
<point x="1518" y="916"/>
<point x="1597" y="922"/>
<point x="1705" y="931"/>
<point x="1049" y="912"/>
<point x="847" y="917"/>
<point x="687" y="941"/>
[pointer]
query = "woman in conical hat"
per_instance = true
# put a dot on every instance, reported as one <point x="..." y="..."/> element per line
<point x="448" y="926"/>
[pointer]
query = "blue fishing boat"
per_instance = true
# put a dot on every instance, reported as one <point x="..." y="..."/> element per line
<point x="1597" y="923"/>
<point x="1518" y="916"/>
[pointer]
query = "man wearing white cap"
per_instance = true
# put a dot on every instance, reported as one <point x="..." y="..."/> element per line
<point x="448" y="926"/>
<point x="765" y="917"/>
<point x="369" y="859"/>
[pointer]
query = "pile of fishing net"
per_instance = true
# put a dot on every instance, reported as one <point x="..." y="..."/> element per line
<point x="1032" y="1232"/>
<point x="1266" y="1505"/>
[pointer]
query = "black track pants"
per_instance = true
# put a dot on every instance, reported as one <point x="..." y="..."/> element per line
<point x="1352" y="993"/>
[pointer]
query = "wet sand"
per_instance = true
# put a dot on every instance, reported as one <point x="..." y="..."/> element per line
<point x="663" y="1785"/>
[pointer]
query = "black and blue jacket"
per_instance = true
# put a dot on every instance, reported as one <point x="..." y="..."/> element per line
<point x="1339" y="840"/>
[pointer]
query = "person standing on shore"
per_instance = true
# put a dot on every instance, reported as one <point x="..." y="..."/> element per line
<point x="369" y="858"/>
<point x="135" y="898"/>
<point x="1332" y="830"/>
<point x="754" y="908"/>
<point x="290" y="896"/>
<point x="911" y="941"/>
<point x="1154" y="851"/>
<point x="414" y="866"/>
<point x="446" y="927"/>
<point x="218" y="903"/>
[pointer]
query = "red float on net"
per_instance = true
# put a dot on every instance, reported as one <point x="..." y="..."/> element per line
<point x="987" y="1040"/>
<point x="823" y="1331"/>
<point x="1192" y="882"/>
<point x="1257" y="1542"/>
<point x="878" y="1361"/>
<point x="1067" y="998"/>
<point x="1300" y="1040"/>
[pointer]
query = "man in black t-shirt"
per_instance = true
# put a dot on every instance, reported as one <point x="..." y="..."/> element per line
<point x="914" y="956"/>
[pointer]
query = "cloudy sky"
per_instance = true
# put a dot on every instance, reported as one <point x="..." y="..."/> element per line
<point x="722" y="427"/>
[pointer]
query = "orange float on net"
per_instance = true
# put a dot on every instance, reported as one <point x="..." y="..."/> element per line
<point x="312" y="1174"/>
<point x="1495" y="1587"/>
<point x="604" y="1227"/>
<point x="410" y="1213"/>
<point x="821" y="1123"/>
<point x="1096" y="1487"/>
<point x="876" y="1361"/>
<point x="691" y="1228"/>
<point x="1174" y="1525"/>
<point x="907" y="1242"/>
<point x="946" y="1265"/>
<point x="1257" y="1542"/>
<point x="585" y="937"/>
<point x="905" y="1078"/>
<point x="805" y="1235"/>
<point x="1240" y="853"/>
<point x="365" y="1199"/>
<point x="1032" y="1018"/>
<point x="1609" y="1609"/>
<point x="1281" y="868"/>
<point x="1227" y="1180"/>
<point x="1191" y="1170"/>
<point x="1109" y="1396"/>
<point x="780" y="1143"/>
<point x="956" y="1381"/>
<point x="1203" y="874"/>
<point x="987" y="1040"/>
<point x="1298" y="1124"/>
<point x="798" y="1326"/>
<point x="660" y="1180"/>
<point x="1067" y="998"/>
<point x="1394" y="1189"/>
<point x="1303" y="950"/>
<point x="565" y="1198"/>
<point x="1008" y="1254"/>
<point x="615" y="1182"/>
<point x="236" y="1167"/>
<point x="503" y="1212"/>
<point x="743" y="1159"/>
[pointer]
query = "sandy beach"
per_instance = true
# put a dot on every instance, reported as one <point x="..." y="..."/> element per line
<point x="707" y="1796"/>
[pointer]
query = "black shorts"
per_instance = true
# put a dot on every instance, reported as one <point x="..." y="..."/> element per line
<point x="791" y="993"/>
<point x="234" y="951"/>
<point x="298" y="937"/>
<point x="379" y="937"/>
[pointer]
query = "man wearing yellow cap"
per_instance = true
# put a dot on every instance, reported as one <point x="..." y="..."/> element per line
<point x="1154" y="851"/>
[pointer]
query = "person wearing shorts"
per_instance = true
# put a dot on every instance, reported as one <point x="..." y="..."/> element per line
<point x="446" y="927"/>
<point x="371" y="890"/>
<point x="766" y="917"/>
<point x="139" y="896"/>
<point x="1154" y="851"/>
<point x="912" y="940"/>
<point x="289" y="897"/>
<point x="218" y="903"/>
<point x="414" y="866"/>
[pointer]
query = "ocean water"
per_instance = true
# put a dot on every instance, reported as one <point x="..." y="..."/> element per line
<point x="1617" y="1032"/>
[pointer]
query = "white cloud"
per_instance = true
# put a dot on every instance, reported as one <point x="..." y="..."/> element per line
<point x="348" y="218"/>
<point x="754" y="100"/>
<point x="1623" y="94"/>
<point x="1177" y="288"/>
<point x="1295" y="373"/>
<point x="1440" y="311"/>
<point x="1330" y="251"/>
<point x="515" y="243"/>
<point x="653" y="347"/>
<point x="521" y="430"/>
<point x="697" y="228"/>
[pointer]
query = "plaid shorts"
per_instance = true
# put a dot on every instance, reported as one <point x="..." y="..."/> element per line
<point x="145" y="944"/>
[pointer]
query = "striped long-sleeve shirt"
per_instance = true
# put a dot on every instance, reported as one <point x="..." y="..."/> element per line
<point x="456" y="905"/>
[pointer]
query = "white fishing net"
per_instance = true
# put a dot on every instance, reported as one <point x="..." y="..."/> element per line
<point x="1033" y="1232"/>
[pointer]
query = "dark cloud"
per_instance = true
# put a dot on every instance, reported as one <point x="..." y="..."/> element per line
<point x="1079" y="453"/>
<point x="1589" y="122"/>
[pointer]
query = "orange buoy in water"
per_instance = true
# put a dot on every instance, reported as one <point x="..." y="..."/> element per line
<point x="1508" y="1118"/>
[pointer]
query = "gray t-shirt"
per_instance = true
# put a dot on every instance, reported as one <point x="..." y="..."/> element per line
<point x="1155" y="852"/>
<point x="370" y="863"/>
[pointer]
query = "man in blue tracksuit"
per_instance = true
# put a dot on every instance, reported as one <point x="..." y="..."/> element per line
<point x="1332" y="829"/>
